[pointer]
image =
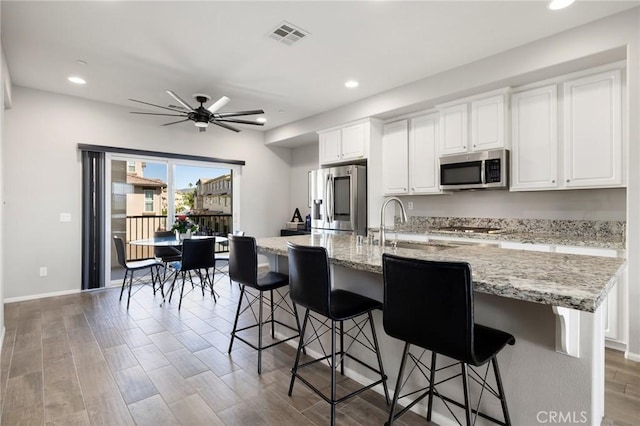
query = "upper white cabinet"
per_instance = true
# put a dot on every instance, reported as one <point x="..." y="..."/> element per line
<point x="486" y="114"/>
<point x="593" y="131"/>
<point x="534" y="151"/>
<point x="424" y="172"/>
<point x="410" y="156"/>
<point x="395" y="158"/>
<point x="346" y="143"/>
<point x="488" y="123"/>
<point x="589" y="153"/>
<point x="454" y="134"/>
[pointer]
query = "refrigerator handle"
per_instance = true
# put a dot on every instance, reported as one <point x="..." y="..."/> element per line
<point x="329" y="195"/>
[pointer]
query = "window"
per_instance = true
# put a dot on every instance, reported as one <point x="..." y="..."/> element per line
<point x="148" y="200"/>
<point x="131" y="166"/>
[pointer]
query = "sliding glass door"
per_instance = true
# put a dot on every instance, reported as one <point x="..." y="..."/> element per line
<point x="144" y="195"/>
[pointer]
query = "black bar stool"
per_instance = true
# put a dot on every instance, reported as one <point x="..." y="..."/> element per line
<point x="243" y="269"/>
<point x="197" y="256"/>
<point x="430" y="305"/>
<point x="310" y="284"/>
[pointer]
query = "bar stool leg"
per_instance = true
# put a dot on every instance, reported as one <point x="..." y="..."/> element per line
<point x="503" y="399"/>
<point x="432" y="379"/>
<point x="333" y="373"/>
<point x="260" y="335"/>
<point x="124" y="283"/>
<point x="396" y="394"/>
<point x="465" y="385"/>
<point x="342" y="347"/>
<point x="130" y="285"/>
<point x="294" y="370"/>
<point x="377" y="348"/>
<point x="273" y="320"/>
<point x="235" y="322"/>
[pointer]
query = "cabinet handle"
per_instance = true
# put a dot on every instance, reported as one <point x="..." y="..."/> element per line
<point x="553" y="181"/>
<point x="567" y="180"/>
<point x="464" y="147"/>
<point x="474" y="146"/>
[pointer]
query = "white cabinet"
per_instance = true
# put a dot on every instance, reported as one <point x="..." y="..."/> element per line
<point x="488" y="123"/>
<point x="474" y="124"/>
<point x="410" y="156"/>
<point x="424" y="170"/>
<point x="589" y="155"/>
<point x="453" y="129"/>
<point x="593" y="131"/>
<point x="395" y="158"/>
<point x="534" y="151"/>
<point x="346" y="143"/>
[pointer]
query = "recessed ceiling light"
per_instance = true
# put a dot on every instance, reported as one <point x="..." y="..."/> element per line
<point x="560" y="4"/>
<point x="261" y="120"/>
<point x="77" y="80"/>
<point x="81" y="62"/>
<point x="351" y="84"/>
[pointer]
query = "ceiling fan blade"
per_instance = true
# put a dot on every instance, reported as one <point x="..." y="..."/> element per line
<point x="180" y="101"/>
<point x="255" y="123"/>
<point x="237" y="113"/>
<point x="175" y="122"/>
<point x="157" y="106"/>
<point x="158" y="113"/>
<point x="202" y="129"/>
<point x="218" y="104"/>
<point x="226" y="126"/>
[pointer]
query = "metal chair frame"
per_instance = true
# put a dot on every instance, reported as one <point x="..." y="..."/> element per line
<point x="138" y="265"/>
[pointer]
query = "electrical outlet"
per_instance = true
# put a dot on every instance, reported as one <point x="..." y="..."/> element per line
<point x="43" y="271"/>
<point x="410" y="205"/>
<point x="65" y="217"/>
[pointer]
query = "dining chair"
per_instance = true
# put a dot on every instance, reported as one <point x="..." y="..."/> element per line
<point x="198" y="257"/>
<point x="136" y="265"/>
<point x="222" y="259"/>
<point x="166" y="255"/>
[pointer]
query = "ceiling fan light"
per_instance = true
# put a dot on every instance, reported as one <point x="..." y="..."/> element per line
<point x="202" y="124"/>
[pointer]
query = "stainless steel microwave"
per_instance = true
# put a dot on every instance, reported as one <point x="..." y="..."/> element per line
<point x="476" y="170"/>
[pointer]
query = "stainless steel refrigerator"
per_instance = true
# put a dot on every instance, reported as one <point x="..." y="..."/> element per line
<point x="338" y="198"/>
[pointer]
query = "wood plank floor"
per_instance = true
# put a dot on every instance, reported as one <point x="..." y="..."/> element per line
<point x="85" y="360"/>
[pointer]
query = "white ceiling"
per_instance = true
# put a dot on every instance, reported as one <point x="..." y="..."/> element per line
<point x="140" y="49"/>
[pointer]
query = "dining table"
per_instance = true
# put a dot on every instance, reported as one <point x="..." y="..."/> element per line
<point x="172" y="241"/>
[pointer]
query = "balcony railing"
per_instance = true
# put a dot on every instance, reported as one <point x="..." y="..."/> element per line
<point x="141" y="227"/>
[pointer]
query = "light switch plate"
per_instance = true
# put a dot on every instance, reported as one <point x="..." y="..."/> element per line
<point x="410" y="205"/>
<point x="65" y="217"/>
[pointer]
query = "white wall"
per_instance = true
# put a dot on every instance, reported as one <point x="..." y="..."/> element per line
<point x="5" y="91"/>
<point x="592" y="204"/>
<point x="303" y="159"/>
<point x="42" y="167"/>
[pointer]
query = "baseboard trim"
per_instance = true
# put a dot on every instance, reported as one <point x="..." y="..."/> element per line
<point x="632" y="356"/>
<point x="40" y="296"/>
<point x="4" y="329"/>
<point x="617" y="346"/>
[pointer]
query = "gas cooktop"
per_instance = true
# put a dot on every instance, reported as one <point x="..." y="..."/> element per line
<point x="469" y="229"/>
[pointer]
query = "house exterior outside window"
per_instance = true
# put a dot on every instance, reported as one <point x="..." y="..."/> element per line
<point x="148" y="200"/>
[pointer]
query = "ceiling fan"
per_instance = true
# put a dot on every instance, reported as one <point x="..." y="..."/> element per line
<point x="202" y="115"/>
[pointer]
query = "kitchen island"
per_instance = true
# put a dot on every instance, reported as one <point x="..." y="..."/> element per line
<point x="550" y="302"/>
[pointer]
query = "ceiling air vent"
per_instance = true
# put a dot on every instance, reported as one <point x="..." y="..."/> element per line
<point x="287" y="33"/>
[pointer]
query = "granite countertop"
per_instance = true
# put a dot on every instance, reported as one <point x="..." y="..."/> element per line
<point x="571" y="281"/>
<point x="610" y="242"/>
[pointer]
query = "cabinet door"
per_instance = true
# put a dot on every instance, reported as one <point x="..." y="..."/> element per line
<point x="395" y="158"/>
<point x="453" y="129"/>
<point x="353" y="141"/>
<point x="424" y="173"/>
<point x="534" y="150"/>
<point x="592" y="131"/>
<point x="488" y="123"/>
<point x="330" y="146"/>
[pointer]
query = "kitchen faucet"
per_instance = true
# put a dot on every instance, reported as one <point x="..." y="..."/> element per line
<point x="403" y="216"/>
